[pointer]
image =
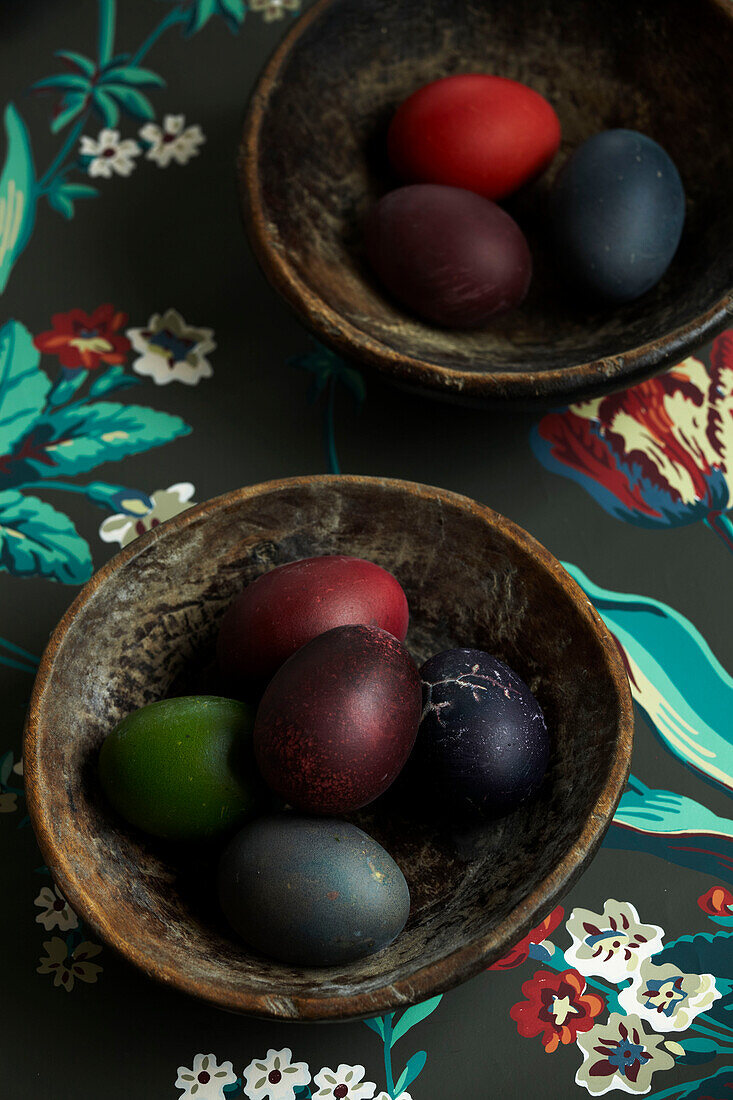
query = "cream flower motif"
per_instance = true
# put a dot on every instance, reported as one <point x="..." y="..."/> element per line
<point x="344" y="1083"/>
<point x="206" y="1080"/>
<point x="620" y="1055"/>
<point x="109" y="154"/>
<point x="274" y="9"/>
<point x="612" y="944"/>
<point x="55" y="910"/>
<point x="172" y="141"/>
<point x="8" y="802"/>
<point x="275" y="1077"/>
<point x="125" y="527"/>
<point x="68" y="968"/>
<point x="18" y="767"/>
<point x="170" y="350"/>
<point x="666" y="997"/>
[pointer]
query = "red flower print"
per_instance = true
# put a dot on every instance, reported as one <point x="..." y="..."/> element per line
<point x="82" y="340"/>
<point x="520" y="952"/>
<point x="558" y="1007"/>
<point x="718" y="902"/>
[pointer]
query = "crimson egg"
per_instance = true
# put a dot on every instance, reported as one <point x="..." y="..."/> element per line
<point x="338" y="721"/>
<point x="283" y="609"/>
<point x="488" y="134"/>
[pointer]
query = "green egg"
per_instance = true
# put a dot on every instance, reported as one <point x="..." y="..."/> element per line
<point x="183" y="769"/>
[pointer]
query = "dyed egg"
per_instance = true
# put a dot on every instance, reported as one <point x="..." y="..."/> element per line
<point x="487" y="134"/>
<point x="482" y="743"/>
<point x="617" y="209"/>
<point x="283" y="609"/>
<point x="337" y="722"/>
<point x="310" y="892"/>
<point x="183" y="768"/>
<point x="448" y="255"/>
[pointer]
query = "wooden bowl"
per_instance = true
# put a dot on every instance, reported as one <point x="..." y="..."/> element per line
<point x="150" y="617"/>
<point x="312" y="161"/>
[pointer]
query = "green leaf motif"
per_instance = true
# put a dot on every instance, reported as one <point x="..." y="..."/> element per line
<point x="17" y="194"/>
<point x="66" y="387"/>
<point x="413" y="1068"/>
<point x="83" y="436"/>
<point x="116" y="378"/>
<point x="376" y="1024"/>
<point x="84" y="64"/>
<point x="72" y="105"/>
<point x="23" y="385"/>
<point x="414" y="1015"/>
<point x="231" y="11"/>
<point x="130" y="100"/>
<point x="60" y="195"/>
<point x="133" y="74"/>
<point x="38" y="541"/>
<point x="106" y="107"/>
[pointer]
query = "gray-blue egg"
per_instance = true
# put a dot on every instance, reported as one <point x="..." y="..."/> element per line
<point x="311" y="891"/>
<point x="617" y="209"/>
<point x="482" y="743"/>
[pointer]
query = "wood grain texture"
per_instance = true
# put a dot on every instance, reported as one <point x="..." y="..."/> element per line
<point x="149" y="618"/>
<point x="312" y="162"/>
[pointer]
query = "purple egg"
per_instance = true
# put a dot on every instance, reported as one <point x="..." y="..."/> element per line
<point x="450" y="256"/>
<point x="482" y="742"/>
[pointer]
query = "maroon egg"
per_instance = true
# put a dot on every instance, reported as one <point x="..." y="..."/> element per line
<point x="452" y="257"/>
<point x="283" y="609"/>
<point x="338" y="721"/>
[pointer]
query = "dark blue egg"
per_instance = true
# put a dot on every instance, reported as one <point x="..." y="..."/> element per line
<point x="311" y="891"/>
<point x="482" y="742"/>
<point x="617" y="209"/>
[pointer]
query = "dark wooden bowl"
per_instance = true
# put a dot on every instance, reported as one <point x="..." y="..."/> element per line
<point x="312" y="162"/>
<point x="149" y="618"/>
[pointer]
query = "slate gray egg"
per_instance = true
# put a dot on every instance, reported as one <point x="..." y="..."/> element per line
<point x="311" y="892"/>
<point x="617" y="209"/>
<point x="482" y="743"/>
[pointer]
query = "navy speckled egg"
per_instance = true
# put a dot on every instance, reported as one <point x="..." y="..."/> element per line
<point x="311" y="892"/>
<point x="482" y="742"/>
<point x="617" y="210"/>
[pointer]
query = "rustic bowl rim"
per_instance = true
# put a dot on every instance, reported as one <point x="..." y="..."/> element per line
<point x="580" y="380"/>
<point x="426" y="980"/>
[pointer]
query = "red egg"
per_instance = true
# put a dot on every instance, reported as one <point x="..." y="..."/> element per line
<point x="283" y="609"/>
<point x="487" y="134"/>
<point x="338" y="721"/>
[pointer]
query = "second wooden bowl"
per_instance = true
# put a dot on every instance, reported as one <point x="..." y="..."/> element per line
<point x="149" y="619"/>
<point x="312" y="161"/>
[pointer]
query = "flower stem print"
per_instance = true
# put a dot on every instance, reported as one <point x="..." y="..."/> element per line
<point x="328" y="372"/>
<point x="390" y="1030"/>
<point x="657" y="455"/>
<point x="109" y="86"/>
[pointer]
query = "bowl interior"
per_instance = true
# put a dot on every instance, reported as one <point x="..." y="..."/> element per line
<point x="662" y="67"/>
<point x="149" y="620"/>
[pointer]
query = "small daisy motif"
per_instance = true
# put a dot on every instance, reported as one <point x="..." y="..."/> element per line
<point x="68" y="967"/>
<point x="170" y="350"/>
<point x="270" y="10"/>
<point x="275" y="1077"/>
<point x="171" y="141"/>
<point x="344" y="1083"/>
<point x="125" y="527"/>
<point x="110" y="155"/>
<point x="55" y="910"/>
<point x="206" y="1079"/>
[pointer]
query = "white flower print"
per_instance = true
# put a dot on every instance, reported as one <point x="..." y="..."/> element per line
<point x="274" y="9"/>
<point x="125" y="527"/>
<point x="109" y="154"/>
<point x="171" y="350"/>
<point x="344" y="1083"/>
<point x="55" y="910"/>
<point x="275" y="1077"/>
<point x="666" y="997"/>
<point x="18" y="767"/>
<point x="172" y="141"/>
<point x="612" y="944"/>
<point x="620" y="1055"/>
<point x="206" y="1080"/>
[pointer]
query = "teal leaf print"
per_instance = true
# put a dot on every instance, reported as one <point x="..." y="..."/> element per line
<point x="17" y="193"/>
<point x="376" y="1024"/>
<point x="116" y="85"/>
<point x="84" y="64"/>
<point x="61" y="194"/>
<point x="413" y="1068"/>
<point x="38" y="541"/>
<point x="66" y="386"/>
<point x="414" y="1015"/>
<point x="684" y="691"/>
<point x="116" y="378"/>
<point x="231" y="11"/>
<point x="78" y="438"/>
<point x="698" y="1050"/>
<point x="23" y="385"/>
